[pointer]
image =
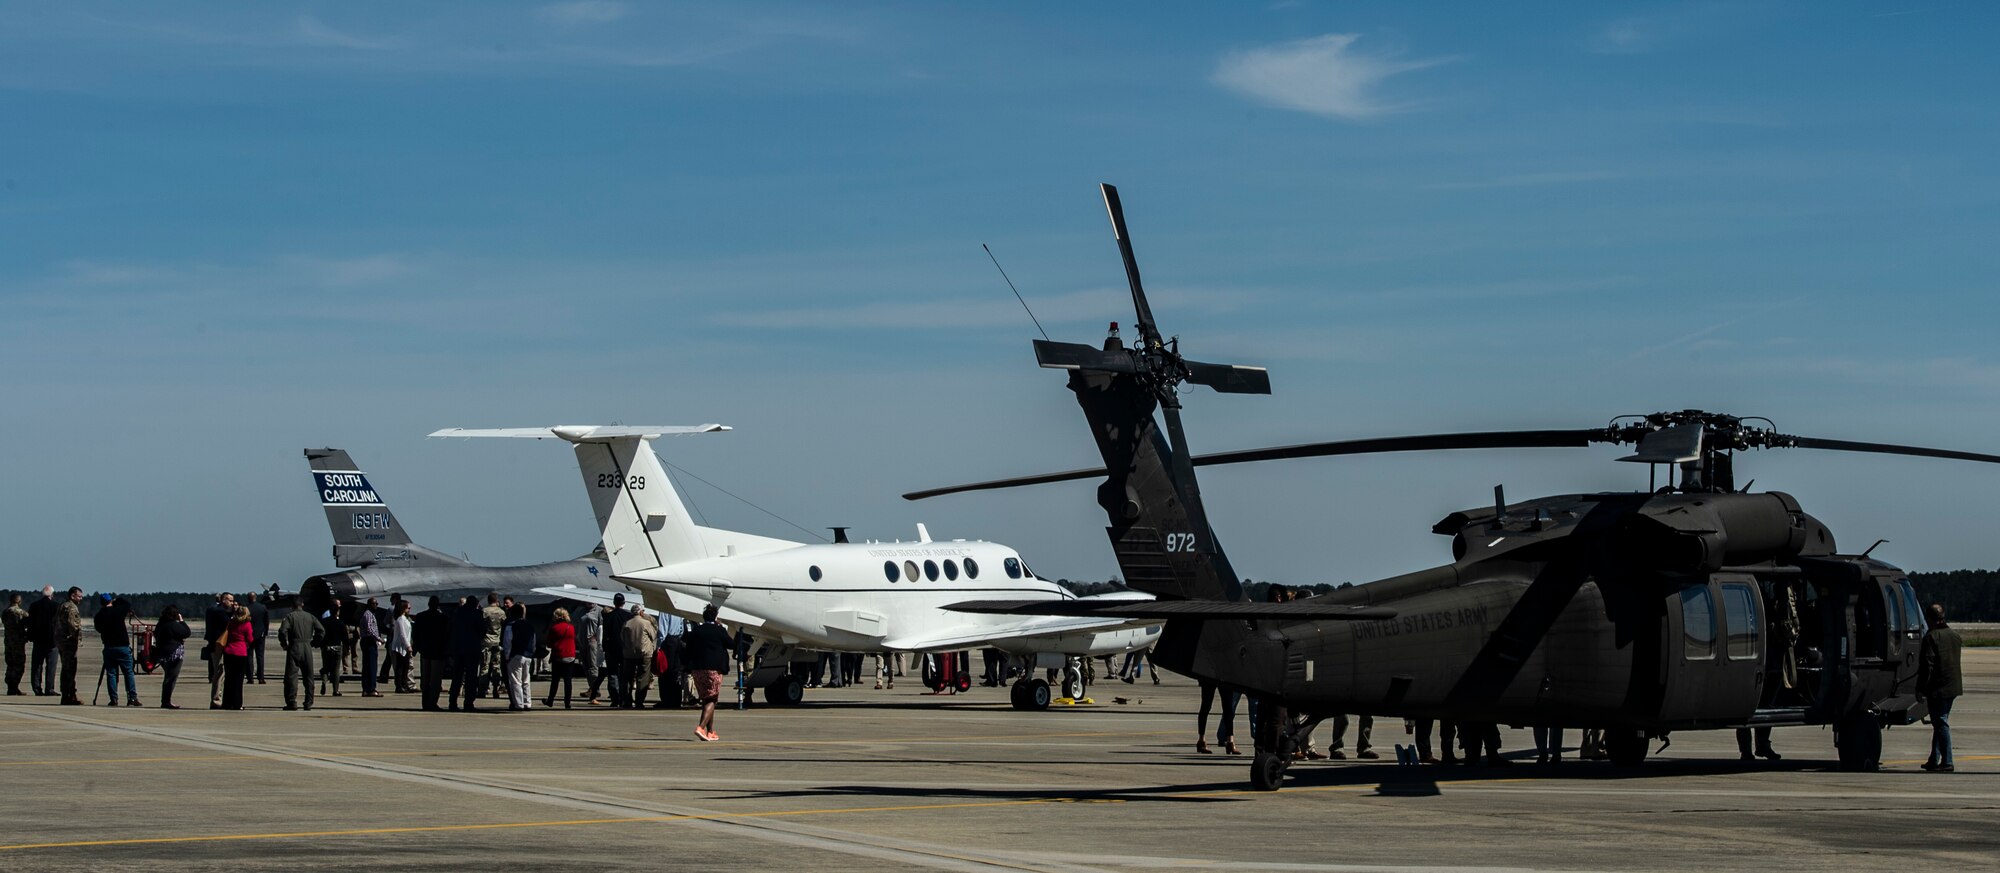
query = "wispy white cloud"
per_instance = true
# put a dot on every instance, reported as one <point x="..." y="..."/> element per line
<point x="1528" y="180"/>
<point x="313" y="32"/>
<point x="1324" y="75"/>
<point x="1628" y="36"/>
<point x="585" y="12"/>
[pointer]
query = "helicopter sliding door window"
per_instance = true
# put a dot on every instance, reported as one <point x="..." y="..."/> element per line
<point x="1739" y="613"/>
<point x="1697" y="624"/>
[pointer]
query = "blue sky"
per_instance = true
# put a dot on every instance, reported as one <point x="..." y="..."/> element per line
<point x="228" y="232"/>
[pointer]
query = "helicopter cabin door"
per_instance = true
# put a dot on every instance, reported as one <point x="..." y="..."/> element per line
<point x="1714" y="652"/>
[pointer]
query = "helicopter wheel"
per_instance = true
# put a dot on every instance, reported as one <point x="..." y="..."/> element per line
<point x="1626" y="748"/>
<point x="1031" y="694"/>
<point x="1267" y="771"/>
<point x="1859" y="742"/>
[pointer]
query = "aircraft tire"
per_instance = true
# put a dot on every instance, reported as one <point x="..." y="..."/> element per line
<point x="1072" y="686"/>
<point x="788" y="690"/>
<point x="1267" y="772"/>
<point x="1626" y="748"/>
<point x="1032" y="695"/>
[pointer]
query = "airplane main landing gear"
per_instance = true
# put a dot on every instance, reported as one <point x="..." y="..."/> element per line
<point x="786" y="690"/>
<point x="1031" y="694"/>
<point x="1267" y="771"/>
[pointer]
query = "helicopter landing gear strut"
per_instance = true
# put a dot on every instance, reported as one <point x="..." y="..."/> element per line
<point x="1277" y="740"/>
<point x="1858" y="739"/>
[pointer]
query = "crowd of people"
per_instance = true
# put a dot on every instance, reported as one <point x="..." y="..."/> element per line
<point x="467" y="651"/>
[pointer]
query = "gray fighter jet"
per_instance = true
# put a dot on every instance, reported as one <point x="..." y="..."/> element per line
<point x="371" y="541"/>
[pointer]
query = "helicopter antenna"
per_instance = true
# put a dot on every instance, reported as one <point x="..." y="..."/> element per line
<point x="1872" y="548"/>
<point x="1017" y="291"/>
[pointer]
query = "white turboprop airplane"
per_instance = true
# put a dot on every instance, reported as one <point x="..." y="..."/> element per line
<point x="843" y="596"/>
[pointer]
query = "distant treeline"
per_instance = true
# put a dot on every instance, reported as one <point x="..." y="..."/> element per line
<point x="1967" y="595"/>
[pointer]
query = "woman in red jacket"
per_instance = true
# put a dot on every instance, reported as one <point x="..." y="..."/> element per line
<point x="236" y="658"/>
<point x="562" y="657"/>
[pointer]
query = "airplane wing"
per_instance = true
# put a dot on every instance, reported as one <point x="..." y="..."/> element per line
<point x="971" y="635"/>
<point x="678" y="604"/>
<point x="1128" y="610"/>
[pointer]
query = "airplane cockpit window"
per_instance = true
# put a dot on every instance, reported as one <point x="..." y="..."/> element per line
<point x="951" y="569"/>
<point x="1739" y="611"/>
<point x="971" y="569"/>
<point x="1013" y="568"/>
<point x="1697" y="624"/>
<point x="930" y="570"/>
<point x="813" y="571"/>
<point x="889" y="569"/>
<point x="1027" y="570"/>
<point x="910" y="570"/>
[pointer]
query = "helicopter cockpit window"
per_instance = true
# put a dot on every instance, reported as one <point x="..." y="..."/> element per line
<point x="1739" y="612"/>
<point x="1013" y="568"/>
<point x="1697" y="624"/>
<point x="1914" y="622"/>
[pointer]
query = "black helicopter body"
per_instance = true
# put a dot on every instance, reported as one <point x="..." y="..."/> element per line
<point x="1694" y="606"/>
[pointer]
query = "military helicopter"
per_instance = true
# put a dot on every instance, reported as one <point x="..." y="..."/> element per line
<point x="1691" y="606"/>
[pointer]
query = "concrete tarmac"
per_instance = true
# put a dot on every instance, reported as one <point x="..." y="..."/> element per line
<point x="860" y="779"/>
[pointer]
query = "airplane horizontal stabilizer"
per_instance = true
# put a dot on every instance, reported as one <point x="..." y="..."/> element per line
<point x="581" y="433"/>
<point x="1198" y="609"/>
<point x="659" y="601"/>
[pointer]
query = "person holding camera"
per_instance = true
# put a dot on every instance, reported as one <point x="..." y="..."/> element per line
<point x="170" y="638"/>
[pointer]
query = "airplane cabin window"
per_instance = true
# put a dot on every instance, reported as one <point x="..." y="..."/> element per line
<point x="910" y="571"/>
<point x="971" y="569"/>
<point x="930" y="570"/>
<point x="1739" y="611"/>
<point x="889" y="569"/>
<point x="813" y="571"/>
<point x="951" y="569"/>
<point x="1697" y="624"/>
<point x="1013" y="568"/>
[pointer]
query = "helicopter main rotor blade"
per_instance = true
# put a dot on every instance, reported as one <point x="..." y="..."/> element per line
<point x="1149" y="334"/>
<point x="1885" y="449"/>
<point x="1501" y="439"/>
<point x="1497" y="439"/>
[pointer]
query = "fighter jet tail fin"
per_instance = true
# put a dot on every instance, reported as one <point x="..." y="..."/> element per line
<point x="641" y="517"/>
<point x="365" y="533"/>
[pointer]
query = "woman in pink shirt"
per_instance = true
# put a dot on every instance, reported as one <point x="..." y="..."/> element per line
<point x="236" y="657"/>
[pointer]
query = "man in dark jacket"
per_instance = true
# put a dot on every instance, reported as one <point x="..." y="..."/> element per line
<point x="215" y="619"/>
<point x="116" y="638"/>
<point x="260" y="624"/>
<point x="614" y="650"/>
<point x="708" y="646"/>
<point x="42" y="643"/>
<point x="16" y="620"/>
<point x="468" y="651"/>
<point x="430" y="635"/>
<point x="333" y="640"/>
<point x="1939" y="683"/>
